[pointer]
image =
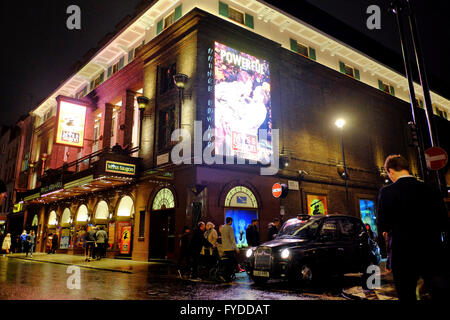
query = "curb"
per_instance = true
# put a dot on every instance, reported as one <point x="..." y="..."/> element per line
<point x="70" y="264"/>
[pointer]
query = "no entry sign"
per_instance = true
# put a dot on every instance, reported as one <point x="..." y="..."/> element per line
<point x="277" y="190"/>
<point x="436" y="158"/>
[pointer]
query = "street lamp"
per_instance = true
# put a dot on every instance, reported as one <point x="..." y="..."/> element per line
<point x="340" y="124"/>
<point x="142" y="103"/>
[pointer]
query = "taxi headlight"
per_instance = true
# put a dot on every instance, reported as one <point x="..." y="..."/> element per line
<point x="249" y="253"/>
<point x="285" y="254"/>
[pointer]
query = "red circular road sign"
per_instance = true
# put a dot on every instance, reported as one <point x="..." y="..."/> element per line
<point x="436" y="158"/>
<point x="277" y="190"/>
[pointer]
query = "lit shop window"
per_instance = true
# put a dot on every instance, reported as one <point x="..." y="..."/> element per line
<point x="348" y="70"/>
<point x="168" y="20"/>
<point x="386" y="87"/>
<point x="82" y="214"/>
<point x="101" y="212"/>
<point x="236" y="15"/>
<point x="126" y="207"/>
<point x="52" y="219"/>
<point x="303" y="50"/>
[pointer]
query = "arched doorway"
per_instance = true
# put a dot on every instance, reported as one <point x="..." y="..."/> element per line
<point x="162" y="225"/>
<point x="125" y="210"/>
<point x="242" y="206"/>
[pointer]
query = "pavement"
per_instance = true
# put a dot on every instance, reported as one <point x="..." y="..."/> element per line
<point x="386" y="291"/>
<point x="107" y="264"/>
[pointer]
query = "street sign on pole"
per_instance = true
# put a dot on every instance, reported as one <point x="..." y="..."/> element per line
<point x="436" y="158"/>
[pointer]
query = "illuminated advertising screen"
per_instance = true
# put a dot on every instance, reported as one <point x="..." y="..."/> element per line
<point x="317" y="204"/>
<point x="367" y="209"/>
<point x="242" y="105"/>
<point x="70" y="124"/>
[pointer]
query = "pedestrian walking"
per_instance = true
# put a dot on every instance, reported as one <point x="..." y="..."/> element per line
<point x="6" y="245"/>
<point x="101" y="237"/>
<point x="23" y="241"/>
<point x="183" y="259"/>
<point x="209" y="252"/>
<point x="229" y="248"/>
<point x="252" y="234"/>
<point x="416" y="217"/>
<point x="90" y="245"/>
<point x="197" y="243"/>
<point x="31" y="238"/>
<point x="273" y="229"/>
<point x="54" y="243"/>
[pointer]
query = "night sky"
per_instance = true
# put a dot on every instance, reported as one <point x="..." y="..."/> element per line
<point x="38" y="51"/>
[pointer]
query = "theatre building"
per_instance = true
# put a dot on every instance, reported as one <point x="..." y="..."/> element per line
<point x="271" y="86"/>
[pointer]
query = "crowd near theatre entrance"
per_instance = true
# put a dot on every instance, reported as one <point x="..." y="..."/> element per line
<point x="241" y="205"/>
<point x="162" y="225"/>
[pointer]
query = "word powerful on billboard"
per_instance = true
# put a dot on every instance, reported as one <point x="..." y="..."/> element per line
<point x="242" y="105"/>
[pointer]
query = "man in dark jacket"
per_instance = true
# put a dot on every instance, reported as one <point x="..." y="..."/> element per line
<point x="273" y="229"/>
<point x="198" y="241"/>
<point x="415" y="216"/>
<point x="183" y="259"/>
<point x="252" y="234"/>
<point x="54" y="243"/>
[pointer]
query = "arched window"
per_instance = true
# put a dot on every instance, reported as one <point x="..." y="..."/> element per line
<point x="65" y="219"/>
<point x="164" y="199"/>
<point x="241" y="196"/>
<point x="102" y="211"/>
<point x="82" y="214"/>
<point x="126" y="207"/>
<point x="52" y="219"/>
<point x="35" y="221"/>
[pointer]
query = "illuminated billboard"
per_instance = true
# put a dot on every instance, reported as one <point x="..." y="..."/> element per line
<point x="70" y="124"/>
<point x="242" y="105"/>
<point x="317" y="204"/>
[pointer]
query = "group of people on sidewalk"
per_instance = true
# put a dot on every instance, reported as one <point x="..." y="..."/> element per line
<point x="25" y="243"/>
<point x="205" y="249"/>
<point x="96" y="243"/>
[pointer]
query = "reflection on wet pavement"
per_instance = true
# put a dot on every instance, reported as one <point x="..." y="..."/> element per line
<point x="24" y="279"/>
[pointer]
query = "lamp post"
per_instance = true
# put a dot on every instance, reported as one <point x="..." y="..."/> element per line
<point x="340" y="124"/>
<point x="180" y="80"/>
<point x="142" y="103"/>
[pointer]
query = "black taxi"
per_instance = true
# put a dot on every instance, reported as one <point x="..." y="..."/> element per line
<point x="308" y="247"/>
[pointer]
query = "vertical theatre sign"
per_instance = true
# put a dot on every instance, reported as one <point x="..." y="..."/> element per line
<point x="242" y="105"/>
<point x="70" y="122"/>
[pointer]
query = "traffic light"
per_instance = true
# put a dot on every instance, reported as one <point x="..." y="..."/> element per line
<point x="413" y="131"/>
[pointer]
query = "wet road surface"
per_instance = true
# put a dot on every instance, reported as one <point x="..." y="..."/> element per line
<point x="25" y="279"/>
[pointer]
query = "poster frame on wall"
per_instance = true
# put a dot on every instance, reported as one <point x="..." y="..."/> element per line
<point x="74" y="101"/>
<point x="241" y="142"/>
<point x="312" y="194"/>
